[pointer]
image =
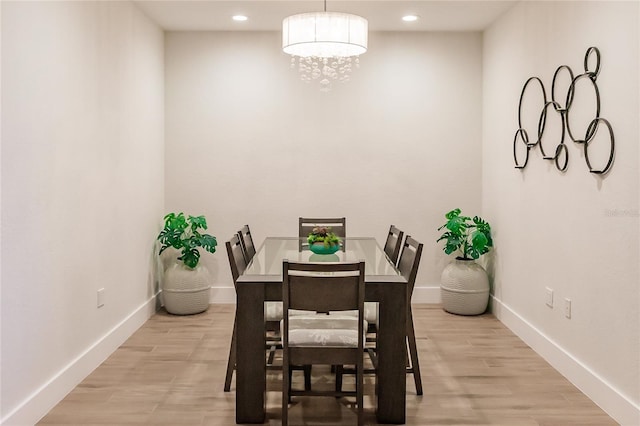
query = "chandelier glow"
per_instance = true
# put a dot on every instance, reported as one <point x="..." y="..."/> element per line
<point x="325" y="44"/>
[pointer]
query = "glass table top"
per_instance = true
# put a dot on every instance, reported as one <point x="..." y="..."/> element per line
<point x="267" y="262"/>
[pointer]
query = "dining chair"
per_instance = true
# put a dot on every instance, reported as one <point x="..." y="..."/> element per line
<point x="408" y="266"/>
<point x="306" y="224"/>
<point x="273" y="312"/>
<point x="322" y="339"/>
<point x="392" y="248"/>
<point x="393" y="244"/>
<point x="238" y="264"/>
<point x="246" y="241"/>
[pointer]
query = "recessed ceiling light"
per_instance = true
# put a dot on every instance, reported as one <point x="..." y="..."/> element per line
<point x="239" y="18"/>
<point x="410" y="18"/>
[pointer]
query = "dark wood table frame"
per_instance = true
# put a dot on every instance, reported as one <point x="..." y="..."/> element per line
<point x="254" y="290"/>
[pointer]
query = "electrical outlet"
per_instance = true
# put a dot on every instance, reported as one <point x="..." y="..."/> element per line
<point x="567" y="308"/>
<point x="549" y="297"/>
<point x="101" y="298"/>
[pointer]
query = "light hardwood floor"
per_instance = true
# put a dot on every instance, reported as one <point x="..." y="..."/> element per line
<point x="474" y="371"/>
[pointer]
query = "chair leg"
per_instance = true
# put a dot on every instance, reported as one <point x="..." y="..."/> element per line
<point x="360" y="391"/>
<point x="286" y="388"/>
<point x="231" y="363"/>
<point x="307" y="377"/>
<point x="413" y="350"/>
<point x="272" y="355"/>
<point x="407" y="354"/>
<point x="339" y="372"/>
<point x="373" y="357"/>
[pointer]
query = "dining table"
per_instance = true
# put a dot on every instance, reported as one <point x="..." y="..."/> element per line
<point x="262" y="282"/>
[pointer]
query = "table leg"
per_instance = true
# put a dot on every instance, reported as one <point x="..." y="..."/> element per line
<point x="250" y="358"/>
<point x="391" y="377"/>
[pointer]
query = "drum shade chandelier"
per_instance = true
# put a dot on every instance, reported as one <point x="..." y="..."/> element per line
<point x="325" y="45"/>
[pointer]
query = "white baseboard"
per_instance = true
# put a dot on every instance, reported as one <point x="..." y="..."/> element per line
<point x="38" y="404"/>
<point x="426" y="294"/>
<point x="614" y="403"/>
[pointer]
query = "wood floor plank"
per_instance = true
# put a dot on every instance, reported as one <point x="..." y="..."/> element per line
<point x="474" y="370"/>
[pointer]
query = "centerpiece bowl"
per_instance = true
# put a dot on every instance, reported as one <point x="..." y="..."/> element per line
<point x="321" y="248"/>
<point x="322" y="241"/>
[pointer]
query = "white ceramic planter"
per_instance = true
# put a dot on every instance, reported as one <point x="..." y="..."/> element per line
<point x="464" y="288"/>
<point x="185" y="291"/>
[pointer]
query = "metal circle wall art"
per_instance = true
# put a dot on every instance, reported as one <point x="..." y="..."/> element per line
<point x="554" y="82"/>
<point x="521" y="135"/>
<point x="570" y="94"/>
<point x="596" y="52"/>
<point x="561" y="149"/>
<point x="542" y="124"/>
<point x="544" y="102"/>
<point x="560" y="156"/>
<point x="591" y="133"/>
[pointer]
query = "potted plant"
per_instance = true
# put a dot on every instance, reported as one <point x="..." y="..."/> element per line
<point x="186" y="284"/>
<point x="322" y="241"/>
<point x="464" y="283"/>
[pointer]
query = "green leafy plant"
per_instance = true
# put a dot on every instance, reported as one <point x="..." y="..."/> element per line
<point x="323" y="234"/>
<point x="184" y="235"/>
<point x="471" y="236"/>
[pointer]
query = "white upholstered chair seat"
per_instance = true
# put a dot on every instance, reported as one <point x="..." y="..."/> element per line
<point x="323" y="330"/>
<point x="334" y="338"/>
<point x="370" y="313"/>
<point x="273" y="311"/>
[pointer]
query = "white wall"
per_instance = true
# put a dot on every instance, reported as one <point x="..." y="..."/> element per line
<point x="82" y="191"/>
<point x="576" y="232"/>
<point x="248" y="142"/>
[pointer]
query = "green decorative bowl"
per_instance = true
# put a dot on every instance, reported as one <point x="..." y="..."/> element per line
<point x="320" y="248"/>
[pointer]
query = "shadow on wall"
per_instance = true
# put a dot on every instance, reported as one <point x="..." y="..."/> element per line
<point x="490" y="262"/>
<point x="157" y="266"/>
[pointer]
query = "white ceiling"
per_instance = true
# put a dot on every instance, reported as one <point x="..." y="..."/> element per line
<point x="267" y="15"/>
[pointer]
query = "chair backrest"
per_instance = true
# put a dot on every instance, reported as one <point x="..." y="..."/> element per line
<point x="324" y="287"/>
<point x="338" y="225"/>
<point x="409" y="262"/>
<point x="393" y="244"/>
<point x="246" y="240"/>
<point x="236" y="257"/>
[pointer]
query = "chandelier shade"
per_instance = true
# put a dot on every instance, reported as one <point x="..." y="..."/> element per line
<point x="324" y="35"/>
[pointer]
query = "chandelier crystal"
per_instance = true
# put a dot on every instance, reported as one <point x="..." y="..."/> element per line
<point x="325" y="45"/>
